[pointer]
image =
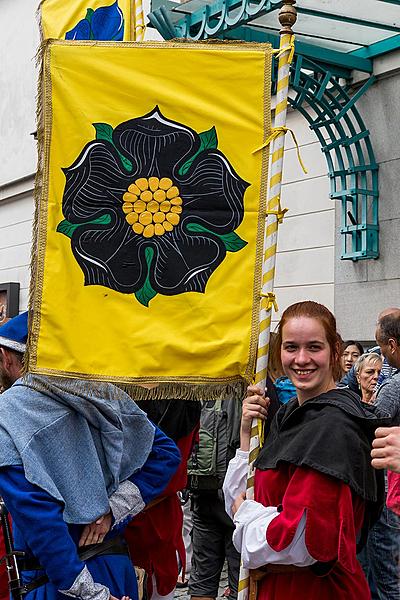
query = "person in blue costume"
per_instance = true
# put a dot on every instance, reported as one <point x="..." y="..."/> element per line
<point x="78" y="461"/>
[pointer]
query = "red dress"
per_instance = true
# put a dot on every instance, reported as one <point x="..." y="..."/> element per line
<point x="155" y="536"/>
<point x="334" y="516"/>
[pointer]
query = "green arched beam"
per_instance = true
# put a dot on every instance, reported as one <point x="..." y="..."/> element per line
<point x="353" y="172"/>
<point x="317" y="93"/>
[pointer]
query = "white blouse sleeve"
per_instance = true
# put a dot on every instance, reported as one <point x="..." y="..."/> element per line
<point x="235" y="479"/>
<point x="250" y="538"/>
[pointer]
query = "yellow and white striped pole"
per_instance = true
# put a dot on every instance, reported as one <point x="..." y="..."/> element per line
<point x="138" y="21"/>
<point x="287" y="18"/>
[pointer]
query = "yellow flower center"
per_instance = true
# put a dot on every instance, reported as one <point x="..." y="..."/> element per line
<point x="152" y="206"/>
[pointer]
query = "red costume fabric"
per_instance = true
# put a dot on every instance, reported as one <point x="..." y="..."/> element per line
<point x="393" y="494"/>
<point x="155" y="536"/>
<point x="334" y="514"/>
<point x="4" y="593"/>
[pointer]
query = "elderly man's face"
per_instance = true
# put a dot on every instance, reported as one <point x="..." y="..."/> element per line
<point x="386" y="348"/>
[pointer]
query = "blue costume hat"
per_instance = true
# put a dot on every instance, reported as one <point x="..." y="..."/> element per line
<point x="14" y="333"/>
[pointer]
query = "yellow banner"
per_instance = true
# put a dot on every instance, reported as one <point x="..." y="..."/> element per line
<point x="151" y="212"/>
<point x="87" y="20"/>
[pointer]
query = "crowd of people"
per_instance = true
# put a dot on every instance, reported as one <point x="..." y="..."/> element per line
<point x="94" y="483"/>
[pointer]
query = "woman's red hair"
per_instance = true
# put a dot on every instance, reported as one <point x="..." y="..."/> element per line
<point x="313" y="310"/>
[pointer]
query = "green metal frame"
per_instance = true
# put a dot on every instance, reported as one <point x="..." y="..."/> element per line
<point x="225" y="15"/>
<point x="378" y="48"/>
<point x="318" y="94"/>
<point x="353" y="172"/>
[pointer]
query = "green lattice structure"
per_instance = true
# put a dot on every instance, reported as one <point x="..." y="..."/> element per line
<point x="345" y="141"/>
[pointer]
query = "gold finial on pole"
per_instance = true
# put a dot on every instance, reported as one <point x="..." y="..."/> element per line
<point x="287" y="16"/>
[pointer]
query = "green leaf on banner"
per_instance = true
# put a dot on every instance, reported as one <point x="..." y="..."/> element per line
<point x="208" y="141"/>
<point x="67" y="228"/>
<point x="146" y="293"/>
<point x="233" y="242"/>
<point x="104" y="131"/>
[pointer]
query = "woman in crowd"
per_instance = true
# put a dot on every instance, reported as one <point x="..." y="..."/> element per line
<point x="351" y="351"/>
<point x="367" y="369"/>
<point x="315" y="489"/>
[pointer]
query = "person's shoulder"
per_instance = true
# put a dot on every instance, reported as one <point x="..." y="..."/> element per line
<point x="342" y="405"/>
<point x="11" y="396"/>
<point x="390" y="385"/>
<point x="340" y="398"/>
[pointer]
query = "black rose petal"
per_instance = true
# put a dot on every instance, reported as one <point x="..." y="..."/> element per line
<point x="95" y="183"/>
<point x="156" y="145"/>
<point x="111" y="257"/>
<point x="184" y="263"/>
<point x="212" y="193"/>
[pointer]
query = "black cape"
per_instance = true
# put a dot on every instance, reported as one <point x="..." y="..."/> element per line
<point x="331" y="433"/>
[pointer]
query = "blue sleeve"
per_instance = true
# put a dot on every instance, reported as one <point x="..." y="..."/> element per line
<point x="350" y="380"/>
<point x="161" y="464"/>
<point x="39" y="518"/>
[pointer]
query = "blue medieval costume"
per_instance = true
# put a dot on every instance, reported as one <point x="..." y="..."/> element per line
<point x="68" y="455"/>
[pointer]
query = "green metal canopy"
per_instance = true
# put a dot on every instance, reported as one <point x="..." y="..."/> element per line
<point x="347" y="33"/>
<point x="333" y="39"/>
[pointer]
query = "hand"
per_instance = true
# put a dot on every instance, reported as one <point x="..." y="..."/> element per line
<point x="386" y="449"/>
<point x="94" y="533"/>
<point x="255" y="406"/>
<point x="123" y="597"/>
<point x="238" y="502"/>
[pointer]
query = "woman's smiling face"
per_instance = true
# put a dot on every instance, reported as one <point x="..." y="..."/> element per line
<point x="306" y="357"/>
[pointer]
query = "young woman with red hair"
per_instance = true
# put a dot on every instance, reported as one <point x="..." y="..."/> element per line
<point x="316" y="493"/>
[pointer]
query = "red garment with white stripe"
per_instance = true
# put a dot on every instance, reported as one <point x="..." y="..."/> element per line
<point x="334" y="515"/>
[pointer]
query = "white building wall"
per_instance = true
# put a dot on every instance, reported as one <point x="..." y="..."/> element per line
<point x="305" y="257"/>
<point x="16" y="213"/>
<point x="18" y="45"/>
<point x="19" y="41"/>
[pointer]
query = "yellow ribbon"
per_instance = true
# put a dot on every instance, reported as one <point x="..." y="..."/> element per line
<point x="280" y="213"/>
<point x="279" y="51"/>
<point x="276" y="132"/>
<point x="269" y="300"/>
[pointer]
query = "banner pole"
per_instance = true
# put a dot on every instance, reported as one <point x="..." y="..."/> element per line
<point x="287" y="18"/>
<point x="138" y="20"/>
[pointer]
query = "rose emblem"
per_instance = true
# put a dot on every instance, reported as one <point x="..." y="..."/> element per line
<point x="104" y="23"/>
<point x="151" y="207"/>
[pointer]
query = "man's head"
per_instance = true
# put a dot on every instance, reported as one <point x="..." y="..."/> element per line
<point x="388" y="337"/>
<point x="13" y="336"/>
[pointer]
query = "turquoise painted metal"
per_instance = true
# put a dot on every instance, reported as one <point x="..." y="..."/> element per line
<point x="352" y="170"/>
<point x="340" y="62"/>
<point x="378" y="48"/>
<point x="318" y="93"/>
<point x="224" y="15"/>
